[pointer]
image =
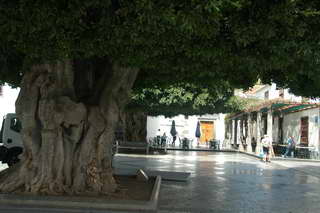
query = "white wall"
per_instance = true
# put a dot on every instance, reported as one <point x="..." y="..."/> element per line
<point x="274" y="93"/>
<point x="260" y="93"/>
<point x="7" y="100"/>
<point x="220" y="127"/>
<point x="291" y="97"/>
<point x="291" y="126"/>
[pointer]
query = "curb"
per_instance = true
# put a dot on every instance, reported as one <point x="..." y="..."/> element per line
<point x="87" y="203"/>
<point x="250" y="154"/>
<point x="282" y="159"/>
<point x="202" y="150"/>
<point x="295" y="159"/>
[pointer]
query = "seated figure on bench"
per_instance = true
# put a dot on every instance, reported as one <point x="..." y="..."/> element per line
<point x="133" y="145"/>
<point x="163" y="140"/>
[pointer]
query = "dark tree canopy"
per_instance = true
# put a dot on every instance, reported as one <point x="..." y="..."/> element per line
<point x="184" y="99"/>
<point x="185" y="41"/>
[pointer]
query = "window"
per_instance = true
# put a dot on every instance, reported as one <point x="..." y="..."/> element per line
<point x="15" y="125"/>
<point x="1" y="133"/>
<point x="281" y="93"/>
<point x="266" y="95"/>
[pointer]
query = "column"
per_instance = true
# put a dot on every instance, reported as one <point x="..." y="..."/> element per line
<point x="238" y="131"/>
<point x="249" y="136"/>
<point x="269" y="121"/>
<point x="240" y="134"/>
<point x="233" y="126"/>
<point x="258" y="148"/>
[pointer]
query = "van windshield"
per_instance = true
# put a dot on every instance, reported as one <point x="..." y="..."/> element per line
<point x="1" y="132"/>
<point x="15" y="125"/>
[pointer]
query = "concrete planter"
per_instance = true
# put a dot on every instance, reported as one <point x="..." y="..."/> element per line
<point x="84" y="202"/>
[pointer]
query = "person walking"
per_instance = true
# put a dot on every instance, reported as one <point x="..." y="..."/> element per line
<point x="290" y="147"/>
<point x="266" y="146"/>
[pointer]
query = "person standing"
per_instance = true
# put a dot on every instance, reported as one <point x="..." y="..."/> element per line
<point x="266" y="146"/>
<point x="290" y="147"/>
<point x="158" y="139"/>
<point x="253" y="144"/>
<point x="163" y="140"/>
<point x="173" y="133"/>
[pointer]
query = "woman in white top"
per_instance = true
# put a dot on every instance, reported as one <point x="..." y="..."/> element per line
<point x="266" y="145"/>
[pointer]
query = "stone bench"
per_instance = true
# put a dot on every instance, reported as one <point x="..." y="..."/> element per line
<point x="132" y="145"/>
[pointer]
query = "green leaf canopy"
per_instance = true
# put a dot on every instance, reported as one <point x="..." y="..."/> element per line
<point x="194" y="42"/>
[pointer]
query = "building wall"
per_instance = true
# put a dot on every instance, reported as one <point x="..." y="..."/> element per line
<point x="185" y="126"/>
<point x="272" y="89"/>
<point x="260" y="93"/>
<point x="220" y="127"/>
<point x="291" y="126"/>
<point x="291" y="97"/>
<point x="274" y="94"/>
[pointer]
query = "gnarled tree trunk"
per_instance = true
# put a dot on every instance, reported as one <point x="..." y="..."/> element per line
<point x="68" y="112"/>
<point x="132" y="126"/>
<point x="136" y="126"/>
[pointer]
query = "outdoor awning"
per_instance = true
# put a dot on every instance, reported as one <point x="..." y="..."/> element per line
<point x="264" y="109"/>
<point x="287" y="107"/>
<point x="294" y="108"/>
<point x="277" y="107"/>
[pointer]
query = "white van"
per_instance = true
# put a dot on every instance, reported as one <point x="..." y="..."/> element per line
<point x="10" y="139"/>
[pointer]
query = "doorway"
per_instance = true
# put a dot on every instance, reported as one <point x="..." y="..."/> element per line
<point x="207" y="131"/>
<point x="304" y="140"/>
<point x="280" y="130"/>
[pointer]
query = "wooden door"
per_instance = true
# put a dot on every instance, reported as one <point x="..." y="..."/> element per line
<point x="304" y="131"/>
<point x="207" y="131"/>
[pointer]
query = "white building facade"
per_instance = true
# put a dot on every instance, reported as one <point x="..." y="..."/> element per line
<point x="212" y="127"/>
<point x="281" y="115"/>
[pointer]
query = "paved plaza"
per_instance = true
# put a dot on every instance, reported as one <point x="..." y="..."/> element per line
<point x="224" y="182"/>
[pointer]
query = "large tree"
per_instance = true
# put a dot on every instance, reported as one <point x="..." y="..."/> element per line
<point x="78" y="61"/>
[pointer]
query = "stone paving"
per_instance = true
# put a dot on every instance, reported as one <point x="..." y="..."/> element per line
<point x="224" y="182"/>
<point x="230" y="182"/>
<point x="311" y="168"/>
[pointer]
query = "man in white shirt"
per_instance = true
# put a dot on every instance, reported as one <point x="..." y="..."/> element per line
<point x="266" y="146"/>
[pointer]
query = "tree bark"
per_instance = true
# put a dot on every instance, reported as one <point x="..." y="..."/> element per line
<point x="135" y="125"/>
<point x="68" y="112"/>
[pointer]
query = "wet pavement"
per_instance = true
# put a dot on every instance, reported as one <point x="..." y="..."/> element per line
<point x="225" y="182"/>
<point x="230" y="182"/>
<point x="310" y="168"/>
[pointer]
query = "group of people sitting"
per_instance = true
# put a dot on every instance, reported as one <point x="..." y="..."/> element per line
<point x="161" y="140"/>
